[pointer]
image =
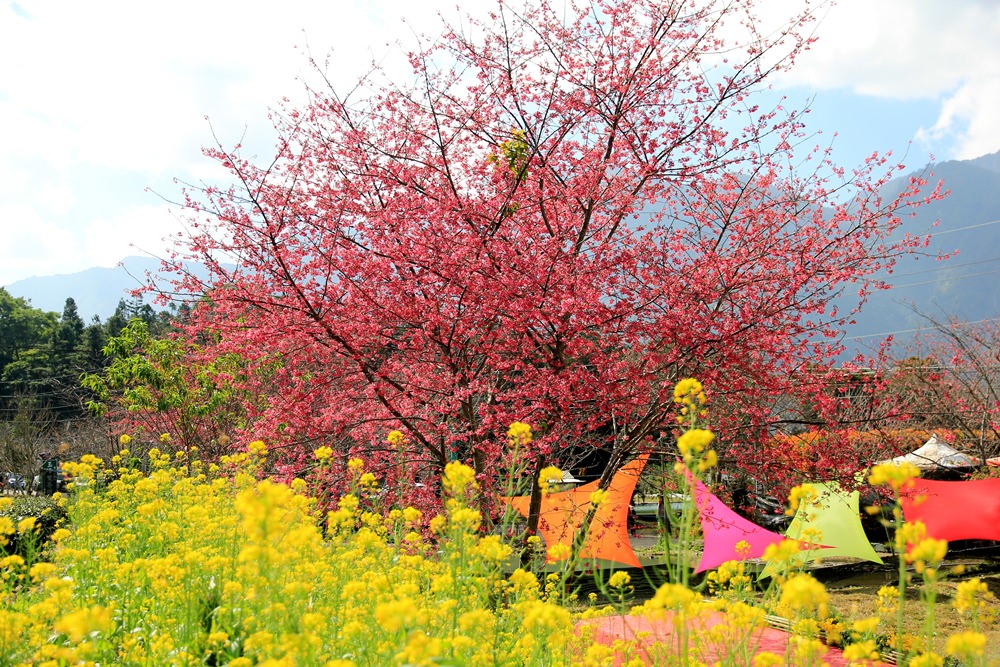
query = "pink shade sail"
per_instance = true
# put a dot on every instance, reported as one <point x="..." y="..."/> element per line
<point x="723" y="529"/>
<point x="951" y="511"/>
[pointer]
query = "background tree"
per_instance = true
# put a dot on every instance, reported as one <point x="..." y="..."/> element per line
<point x="947" y="379"/>
<point x="156" y="391"/>
<point x="560" y="214"/>
<point x="23" y="437"/>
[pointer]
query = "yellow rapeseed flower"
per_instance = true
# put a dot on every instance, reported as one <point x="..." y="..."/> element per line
<point x="548" y="477"/>
<point x="910" y="533"/>
<point x="862" y="651"/>
<point x="492" y="549"/>
<point x="257" y="448"/>
<point x="966" y="645"/>
<point x="972" y="595"/>
<point x="887" y="600"/>
<point x="865" y="626"/>
<point x="458" y="477"/>
<point x="694" y="441"/>
<point x="708" y="461"/>
<point x="40" y="571"/>
<point x="82" y="622"/>
<point x="559" y="551"/>
<point x="930" y="659"/>
<point x="599" y="497"/>
<point x="59" y="534"/>
<point x="689" y="392"/>
<point x="802" y="594"/>
<point x="523" y="580"/>
<point x="620" y="579"/>
<point x="781" y="552"/>
<point x="323" y="454"/>
<point x="519" y="433"/>
<point x="768" y="659"/>
<point x="396" y="438"/>
<point x="465" y="518"/>
<point x="928" y="553"/>
<point x="893" y="475"/>
<point x="802" y="492"/>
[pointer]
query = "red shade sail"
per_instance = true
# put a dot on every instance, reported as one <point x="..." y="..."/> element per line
<point x="951" y="511"/>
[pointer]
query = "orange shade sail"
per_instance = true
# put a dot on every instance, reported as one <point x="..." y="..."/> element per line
<point x="562" y="515"/>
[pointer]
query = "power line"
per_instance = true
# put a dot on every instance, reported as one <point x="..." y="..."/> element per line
<point x="962" y="229"/>
<point x="918" y="329"/>
<point x="948" y="267"/>
<point x="932" y="282"/>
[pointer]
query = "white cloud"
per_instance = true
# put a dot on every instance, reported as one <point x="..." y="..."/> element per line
<point x="140" y="230"/>
<point x="915" y="49"/>
<point x="109" y="96"/>
<point x="39" y="246"/>
<point x="969" y="120"/>
<point x="33" y="245"/>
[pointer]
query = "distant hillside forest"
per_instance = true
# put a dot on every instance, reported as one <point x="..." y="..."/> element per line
<point x="43" y="355"/>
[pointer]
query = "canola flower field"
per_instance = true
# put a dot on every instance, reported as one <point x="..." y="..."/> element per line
<point x="194" y="564"/>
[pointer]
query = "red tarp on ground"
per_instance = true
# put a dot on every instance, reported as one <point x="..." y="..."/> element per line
<point x="562" y="514"/>
<point x="967" y="510"/>
<point x="734" y="645"/>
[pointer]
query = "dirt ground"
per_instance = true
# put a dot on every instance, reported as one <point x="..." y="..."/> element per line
<point x="854" y="597"/>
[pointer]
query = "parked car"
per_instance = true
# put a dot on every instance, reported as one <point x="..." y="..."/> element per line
<point x="13" y="483"/>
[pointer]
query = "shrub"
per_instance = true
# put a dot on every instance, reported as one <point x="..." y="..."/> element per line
<point x="48" y="515"/>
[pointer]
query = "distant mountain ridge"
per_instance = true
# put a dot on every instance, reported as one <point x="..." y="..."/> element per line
<point x="967" y="286"/>
<point x="96" y="291"/>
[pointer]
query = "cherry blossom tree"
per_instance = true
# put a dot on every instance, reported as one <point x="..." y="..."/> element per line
<point x="563" y="211"/>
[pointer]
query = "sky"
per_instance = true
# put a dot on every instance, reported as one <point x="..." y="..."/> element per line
<point x="105" y="105"/>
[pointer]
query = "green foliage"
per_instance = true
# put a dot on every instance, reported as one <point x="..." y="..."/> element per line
<point x="156" y="385"/>
<point x="22" y="328"/>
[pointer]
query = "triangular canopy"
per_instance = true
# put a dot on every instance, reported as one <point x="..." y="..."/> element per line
<point x="723" y="529"/>
<point x="935" y="454"/>
<point x="967" y="510"/>
<point x="831" y="520"/>
<point x="562" y="514"/>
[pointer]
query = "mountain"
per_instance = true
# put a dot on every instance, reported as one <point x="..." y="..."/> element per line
<point x="96" y="291"/>
<point x="965" y="285"/>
